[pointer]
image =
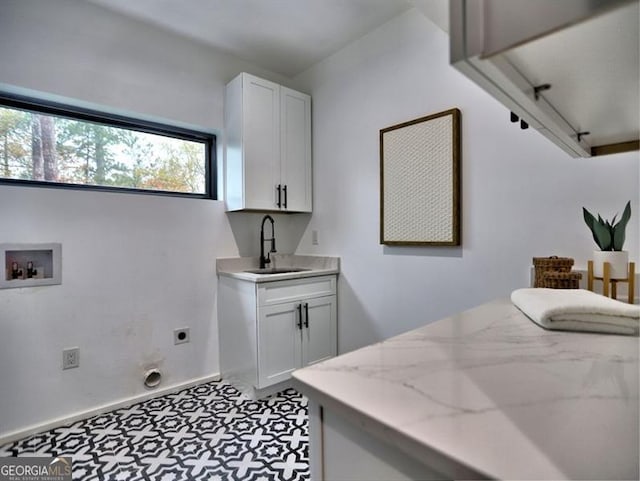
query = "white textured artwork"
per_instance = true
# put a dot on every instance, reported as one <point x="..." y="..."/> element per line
<point x="419" y="182"/>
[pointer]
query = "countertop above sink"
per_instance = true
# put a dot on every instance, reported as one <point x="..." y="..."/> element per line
<point x="276" y="270"/>
<point x="283" y="267"/>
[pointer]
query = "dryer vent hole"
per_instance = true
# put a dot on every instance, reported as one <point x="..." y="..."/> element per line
<point x="152" y="378"/>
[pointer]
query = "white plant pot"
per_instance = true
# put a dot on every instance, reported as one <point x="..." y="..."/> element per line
<point x="618" y="260"/>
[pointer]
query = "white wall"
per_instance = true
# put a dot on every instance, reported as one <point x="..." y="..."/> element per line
<point x="522" y="196"/>
<point x="76" y="49"/>
<point x="134" y="267"/>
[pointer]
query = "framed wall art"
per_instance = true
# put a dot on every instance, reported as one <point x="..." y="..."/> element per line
<point x="420" y="177"/>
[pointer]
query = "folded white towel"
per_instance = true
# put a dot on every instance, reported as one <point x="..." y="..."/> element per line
<point x="577" y="310"/>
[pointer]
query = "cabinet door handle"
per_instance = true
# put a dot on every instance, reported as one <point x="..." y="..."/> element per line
<point x="279" y="189"/>
<point x="284" y="189"/>
<point x="306" y="315"/>
<point x="299" y="323"/>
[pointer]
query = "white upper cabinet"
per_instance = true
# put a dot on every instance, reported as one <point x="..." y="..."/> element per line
<point x="268" y="161"/>
<point x="566" y="68"/>
<point x="295" y="153"/>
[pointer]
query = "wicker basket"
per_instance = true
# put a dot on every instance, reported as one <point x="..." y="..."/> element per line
<point x="561" y="280"/>
<point x="553" y="263"/>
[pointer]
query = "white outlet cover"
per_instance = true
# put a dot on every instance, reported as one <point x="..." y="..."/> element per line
<point x="70" y="358"/>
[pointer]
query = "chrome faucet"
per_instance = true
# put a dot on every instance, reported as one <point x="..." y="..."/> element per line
<point x="266" y="260"/>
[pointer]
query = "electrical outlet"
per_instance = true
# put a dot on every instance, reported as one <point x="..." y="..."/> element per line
<point x="181" y="335"/>
<point x="70" y="357"/>
<point x="314" y="237"/>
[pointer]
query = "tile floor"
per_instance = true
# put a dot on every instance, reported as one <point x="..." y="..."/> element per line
<point x="206" y="432"/>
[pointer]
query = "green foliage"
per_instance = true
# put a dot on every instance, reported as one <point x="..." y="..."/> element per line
<point x="15" y="144"/>
<point x="607" y="234"/>
<point x="95" y="154"/>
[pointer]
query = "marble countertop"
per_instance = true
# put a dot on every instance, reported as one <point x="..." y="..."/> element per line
<point x="315" y="265"/>
<point x="491" y="391"/>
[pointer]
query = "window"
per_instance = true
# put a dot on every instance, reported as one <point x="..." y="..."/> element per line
<point x="47" y="144"/>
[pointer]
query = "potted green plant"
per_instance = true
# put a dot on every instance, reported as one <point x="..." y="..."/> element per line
<point x="610" y="237"/>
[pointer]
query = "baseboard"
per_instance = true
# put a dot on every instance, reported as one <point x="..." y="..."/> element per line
<point x="61" y="421"/>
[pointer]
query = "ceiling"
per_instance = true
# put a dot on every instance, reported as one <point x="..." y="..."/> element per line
<point x="289" y="36"/>
<point x="283" y="36"/>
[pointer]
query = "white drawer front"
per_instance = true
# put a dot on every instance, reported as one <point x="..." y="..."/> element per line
<point x="295" y="289"/>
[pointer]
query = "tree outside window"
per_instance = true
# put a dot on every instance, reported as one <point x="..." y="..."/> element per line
<point x="36" y="146"/>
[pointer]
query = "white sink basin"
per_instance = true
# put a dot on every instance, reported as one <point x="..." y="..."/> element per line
<point x="276" y="270"/>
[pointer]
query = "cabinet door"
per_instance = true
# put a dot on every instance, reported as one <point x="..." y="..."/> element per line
<point x="279" y="342"/>
<point x="319" y="337"/>
<point x="295" y="120"/>
<point x="261" y="142"/>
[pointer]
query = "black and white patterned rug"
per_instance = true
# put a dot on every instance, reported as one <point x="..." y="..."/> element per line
<point x="207" y="432"/>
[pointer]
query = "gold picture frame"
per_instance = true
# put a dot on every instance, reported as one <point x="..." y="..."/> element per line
<point x="420" y="180"/>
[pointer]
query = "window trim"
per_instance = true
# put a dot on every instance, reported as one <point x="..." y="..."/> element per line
<point x="115" y="120"/>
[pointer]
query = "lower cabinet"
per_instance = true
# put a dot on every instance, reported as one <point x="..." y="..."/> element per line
<point x="269" y="329"/>
<point x="344" y="448"/>
<point x="293" y="335"/>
